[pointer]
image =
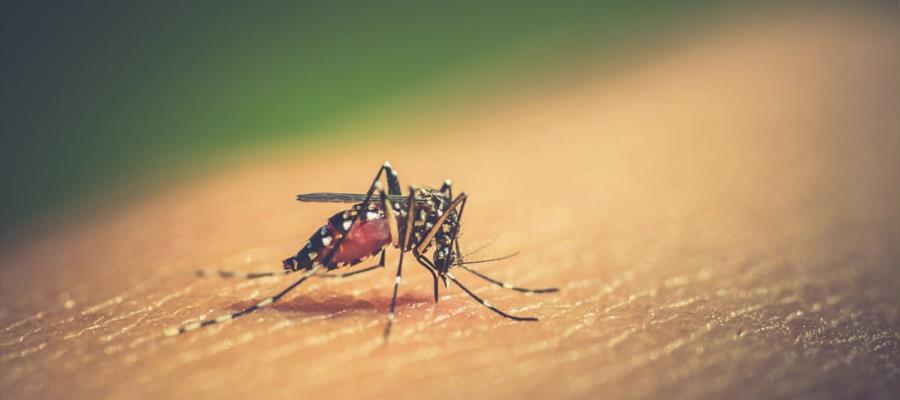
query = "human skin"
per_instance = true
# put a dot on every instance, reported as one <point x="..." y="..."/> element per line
<point x="721" y="218"/>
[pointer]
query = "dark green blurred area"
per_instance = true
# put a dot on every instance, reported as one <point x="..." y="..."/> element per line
<point x="100" y="95"/>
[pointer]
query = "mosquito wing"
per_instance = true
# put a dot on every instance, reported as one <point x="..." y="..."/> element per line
<point x="342" y="197"/>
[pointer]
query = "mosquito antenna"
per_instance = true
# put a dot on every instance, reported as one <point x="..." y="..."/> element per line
<point x="482" y="247"/>
<point x="488" y="259"/>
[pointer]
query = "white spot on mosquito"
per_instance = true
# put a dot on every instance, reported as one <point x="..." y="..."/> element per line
<point x="191" y="326"/>
<point x="223" y="318"/>
<point x="507" y="285"/>
<point x="397" y="280"/>
<point x="448" y="182"/>
<point x="170" y="331"/>
<point x="392" y="317"/>
<point x="378" y="185"/>
<point x="347" y="224"/>
<point x="308" y="245"/>
<point x="326" y="240"/>
<point x="486" y="304"/>
<point x="265" y="302"/>
<point x="387" y="164"/>
<point x="371" y="215"/>
<point x="312" y="255"/>
<point x="323" y="230"/>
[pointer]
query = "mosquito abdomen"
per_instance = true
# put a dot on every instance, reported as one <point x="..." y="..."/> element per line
<point x="343" y="242"/>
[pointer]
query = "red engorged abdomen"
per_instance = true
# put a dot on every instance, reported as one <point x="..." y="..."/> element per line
<point x="363" y="240"/>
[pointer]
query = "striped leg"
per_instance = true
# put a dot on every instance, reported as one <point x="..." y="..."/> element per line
<point x="404" y="244"/>
<point x="172" y="331"/>
<point x="239" y="274"/>
<point x="393" y="182"/>
<point x="447" y="189"/>
<point x="488" y="305"/>
<point x="203" y="273"/>
<point x="391" y="313"/>
<point x="507" y="285"/>
<point x="393" y="186"/>
<point x="455" y="247"/>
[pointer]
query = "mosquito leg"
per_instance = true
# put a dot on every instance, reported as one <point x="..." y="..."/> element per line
<point x="459" y="225"/>
<point x="486" y="304"/>
<point x="391" y="313"/>
<point x="424" y="262"/>
<point x="392" y="179"/>
<point x="172" y="331"/>
<point x="393" y="185"/>
<point x="430" y="235"/>
<point x="507" y="285"/>
<point x="239" y="274"/>
<point x="377" y="178"/>
<point x="411" y="204"/>
<point x="447" y="188"/>
<point x="357" y="272"/>
<point x="390" y="215"/>
<point x="458" y="202"/>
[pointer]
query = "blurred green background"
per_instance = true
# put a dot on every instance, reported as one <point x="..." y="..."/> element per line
<point x="105" y="95"/>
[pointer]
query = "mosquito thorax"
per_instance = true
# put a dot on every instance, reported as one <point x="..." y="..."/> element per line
<point x="430" y="205"/>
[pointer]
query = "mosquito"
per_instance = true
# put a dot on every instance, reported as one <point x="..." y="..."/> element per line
<point x="425" y="218"/>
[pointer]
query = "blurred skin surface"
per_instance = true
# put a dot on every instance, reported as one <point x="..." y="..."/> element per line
<point x="721" y="218"/>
